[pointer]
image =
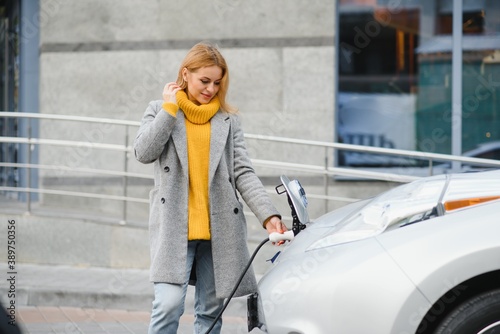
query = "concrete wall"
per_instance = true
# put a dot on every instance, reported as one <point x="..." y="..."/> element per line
<point x="110" y="58"/>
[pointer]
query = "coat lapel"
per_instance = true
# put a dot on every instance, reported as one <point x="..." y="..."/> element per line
<point x="219" y="127"/>
<point x="180" y="142"/>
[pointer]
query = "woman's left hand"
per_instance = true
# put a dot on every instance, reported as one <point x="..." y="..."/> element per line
<point x="276" y="225"/>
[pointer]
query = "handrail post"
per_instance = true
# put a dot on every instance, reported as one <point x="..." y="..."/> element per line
<point x="326" y="179"/>
<point x="28" y="169"/>
<point x="125" y="178"/>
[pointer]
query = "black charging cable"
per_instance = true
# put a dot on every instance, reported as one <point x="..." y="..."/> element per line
<point x="237" y="285"/>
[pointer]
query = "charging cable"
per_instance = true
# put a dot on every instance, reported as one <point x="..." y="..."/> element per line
<point x="273" y="237"/>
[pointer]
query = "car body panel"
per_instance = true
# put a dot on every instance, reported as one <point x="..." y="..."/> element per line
<point x="388" y="281"/>
<point x="343" y="298"/>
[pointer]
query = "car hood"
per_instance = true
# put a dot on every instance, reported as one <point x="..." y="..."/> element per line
<point x="403" y="205"/>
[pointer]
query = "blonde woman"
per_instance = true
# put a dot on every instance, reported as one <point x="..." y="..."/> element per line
<point x="201" y="167"/>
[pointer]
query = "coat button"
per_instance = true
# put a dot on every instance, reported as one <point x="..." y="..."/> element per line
<point x="236" y="210"/>
<point x="162" y="201"/>
<point x="166" y="169"/>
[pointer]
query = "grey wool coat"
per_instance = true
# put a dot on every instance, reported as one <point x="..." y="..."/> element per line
<point x="161" y="139"/>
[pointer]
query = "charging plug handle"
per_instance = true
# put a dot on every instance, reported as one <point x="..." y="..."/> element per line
<point x="276" y="237"/>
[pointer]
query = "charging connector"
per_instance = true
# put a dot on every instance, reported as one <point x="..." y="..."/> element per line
<point x="276" y="237"/>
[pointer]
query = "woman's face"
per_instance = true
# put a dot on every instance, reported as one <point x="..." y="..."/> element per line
<point x="203" y="84"/>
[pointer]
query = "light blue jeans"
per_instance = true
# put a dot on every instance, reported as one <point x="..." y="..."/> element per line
<point x="168" y="305"/>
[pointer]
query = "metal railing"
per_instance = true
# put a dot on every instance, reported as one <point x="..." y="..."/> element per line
<point x="327" y="171"/>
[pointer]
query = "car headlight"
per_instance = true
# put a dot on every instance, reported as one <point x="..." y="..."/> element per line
<point x="368" y="222"/>
<point x="342" y="238"/>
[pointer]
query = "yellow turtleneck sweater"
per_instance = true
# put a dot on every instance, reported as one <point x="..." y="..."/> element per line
<point x="198" y="144"/>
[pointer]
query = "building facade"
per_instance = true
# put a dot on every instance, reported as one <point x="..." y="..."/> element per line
<point x="110" y="58"/>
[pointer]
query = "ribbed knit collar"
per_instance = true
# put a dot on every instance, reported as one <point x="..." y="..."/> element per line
<point x="197" y="114"/>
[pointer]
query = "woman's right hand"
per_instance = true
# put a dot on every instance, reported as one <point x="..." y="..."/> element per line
<point x="169" y="92"/>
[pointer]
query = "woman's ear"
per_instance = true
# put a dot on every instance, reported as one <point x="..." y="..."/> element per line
<point x="184" y="74"/>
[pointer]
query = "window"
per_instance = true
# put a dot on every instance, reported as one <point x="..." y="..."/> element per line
<point x="394" y="76"/>
<point x="9" y="86"/>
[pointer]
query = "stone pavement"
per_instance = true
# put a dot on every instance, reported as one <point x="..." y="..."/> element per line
<point x="75" y="320"/>
<point x="86" y="300"/>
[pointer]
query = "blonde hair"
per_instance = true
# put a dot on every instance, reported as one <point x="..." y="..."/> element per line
<point x="205" y="54"/>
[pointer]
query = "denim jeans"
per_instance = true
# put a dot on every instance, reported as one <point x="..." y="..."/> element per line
<point x="168" y="304"/>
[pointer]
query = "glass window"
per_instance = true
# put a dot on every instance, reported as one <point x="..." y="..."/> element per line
<point x="9" y="84"/>
<point x="395" y="68"/>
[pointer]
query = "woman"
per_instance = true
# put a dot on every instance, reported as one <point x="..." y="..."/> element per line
<point x="197" y="226"/>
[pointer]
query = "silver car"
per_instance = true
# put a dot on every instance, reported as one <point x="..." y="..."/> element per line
<point x="423" y="257"/>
